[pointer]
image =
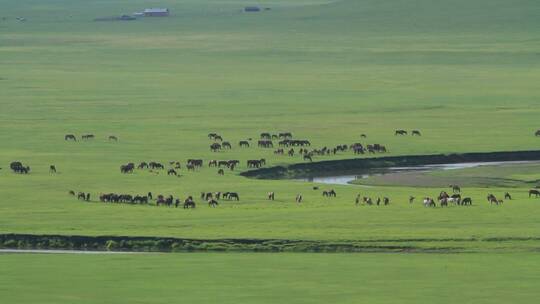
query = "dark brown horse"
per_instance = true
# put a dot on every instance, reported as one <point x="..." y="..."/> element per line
<point x="534" y="192"/>
<point x="400" y="132"/>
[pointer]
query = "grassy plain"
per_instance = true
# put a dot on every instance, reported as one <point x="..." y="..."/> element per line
<point x="465" y="74"/>
<point x="270" y="278"/>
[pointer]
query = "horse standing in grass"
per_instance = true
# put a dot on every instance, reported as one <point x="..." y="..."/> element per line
<point x="534" y="192"/>
<point x="429" y="202"/>
<point x="466" y="201"/>
<point x="330" y="193"/>
<point x="189" y="203"/>
<point x="400" y="132"/>
<point x="455" y="188"/>
<point x="212" y="203"/>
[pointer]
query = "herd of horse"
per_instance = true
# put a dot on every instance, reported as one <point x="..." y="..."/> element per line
<point x="404" y="132"/>
<point x="266" y="140"/>
<point x="212" y="198"/>
<point x="72" y="137"/>
<point x="18" y="167"/>
<point x="287" y="146"/>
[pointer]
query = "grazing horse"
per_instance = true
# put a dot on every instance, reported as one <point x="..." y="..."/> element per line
<point x="386" y="201"/>
<point x="507" y="196"/>
<point x="363" y="135"/>
<point x="429" y="202"/>
<point x="172" y="172"/>
<point x="18" y="167"/>
<point x="308" y="157"/>
<point x="367" y="200"/>
<point x="88" y="136"/>
<point x="212" y="203"/>
<point x="270" y="196"/>
<point x="298" y="198"/>
<point x="493" y="200"/>
<point x="215" y="147"/>
<point x="81" y="196"/>
<point x="411" y="199"/>
<point x="466" y="201"/>
<point x="52" y="169"/>
<point x="330" y="193"/>
<point x="455" y="188"/>
<point x="226" y="145"/>
<point x="233" y="196"/>
<point x="454" y="200"/>
<point x="537" y="133"/>
<point x="156" y="165"/>
<point x="70" y="137"/>
<point x="189" y="203"/>
<point x="71" y="192"/>
<point x="113" y="138"/>
<point x="128" y="168"/>
<point x="400" y="132"/>
<point x="444" y="202"/>
<point x="243" y="144"/>
<point x="416" y="132"/>
<point x="534" y="192"/>
<point x="443" y="195"/>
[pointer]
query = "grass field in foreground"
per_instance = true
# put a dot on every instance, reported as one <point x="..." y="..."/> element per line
<point x="270" y="278"/>
<point x="466" y="74"/>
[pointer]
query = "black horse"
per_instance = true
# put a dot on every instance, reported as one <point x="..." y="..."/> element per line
<point x="400" y="132"/>
<point x="189" y="203"/>
<point x="534" y="192"/>
<point x="213" y="203"/>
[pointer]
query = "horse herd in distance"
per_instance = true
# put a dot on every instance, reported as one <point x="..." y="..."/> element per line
<point x="287" y="145"/>
<point x="86" y="137"/>
<point x="213" y="199"/>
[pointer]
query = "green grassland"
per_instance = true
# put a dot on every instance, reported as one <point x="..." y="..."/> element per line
<point x="466" y="74"/>
<point x="270" y="278"/>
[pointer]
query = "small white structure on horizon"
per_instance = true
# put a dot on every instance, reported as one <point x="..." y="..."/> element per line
<point x="156" y="12"/>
